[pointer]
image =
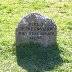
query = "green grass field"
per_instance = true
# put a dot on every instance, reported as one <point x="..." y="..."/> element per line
<point x="12" y="11"/>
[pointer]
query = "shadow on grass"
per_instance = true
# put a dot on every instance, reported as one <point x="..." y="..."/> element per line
<point x="36" y="58"/>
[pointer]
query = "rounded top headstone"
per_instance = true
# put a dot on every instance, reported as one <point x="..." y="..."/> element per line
<point x="36" y="17"/>
<point x="36" y="28"/>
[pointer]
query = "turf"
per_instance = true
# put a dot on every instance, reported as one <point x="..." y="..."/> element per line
<point x="58" y="58"/>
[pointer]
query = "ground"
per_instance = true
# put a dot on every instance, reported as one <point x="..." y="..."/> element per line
<point x="12" y="11"/>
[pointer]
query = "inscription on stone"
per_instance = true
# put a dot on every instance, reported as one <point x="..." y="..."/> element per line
<point x="36" y="28"/>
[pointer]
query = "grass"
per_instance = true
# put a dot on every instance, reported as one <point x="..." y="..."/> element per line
<point x="12" y="11"/>
<point x="36" y="58"/>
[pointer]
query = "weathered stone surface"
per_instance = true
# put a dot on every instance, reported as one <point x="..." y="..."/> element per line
<point x="36" y="28"/>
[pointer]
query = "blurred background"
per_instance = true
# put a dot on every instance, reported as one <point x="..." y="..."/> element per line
<point x="12" y="11"/>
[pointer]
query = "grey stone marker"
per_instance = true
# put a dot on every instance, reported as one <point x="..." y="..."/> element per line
<point x="36" y="28"/>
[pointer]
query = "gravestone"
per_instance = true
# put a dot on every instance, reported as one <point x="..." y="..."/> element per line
<point x="36" y="28"/>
